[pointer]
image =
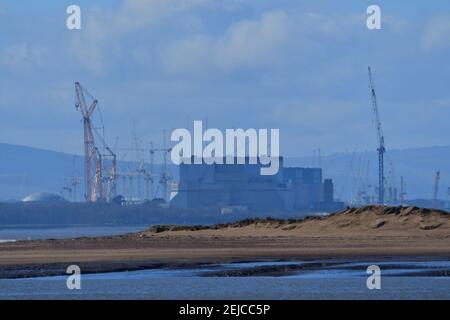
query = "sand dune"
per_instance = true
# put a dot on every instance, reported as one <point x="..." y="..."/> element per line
<point x="373" y="220"/>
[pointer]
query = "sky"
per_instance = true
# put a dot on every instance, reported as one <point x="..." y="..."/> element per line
<point x="298" y="66"/>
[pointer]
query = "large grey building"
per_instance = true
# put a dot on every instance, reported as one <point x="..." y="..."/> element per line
<point x="225" y="185"/>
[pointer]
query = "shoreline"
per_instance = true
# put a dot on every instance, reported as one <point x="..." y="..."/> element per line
<point x="133" y="252"/>
<point x="30" y="271"/>
<point x="353" y="234"/>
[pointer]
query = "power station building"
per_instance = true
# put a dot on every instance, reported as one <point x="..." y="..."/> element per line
<point x="242" y="185"/>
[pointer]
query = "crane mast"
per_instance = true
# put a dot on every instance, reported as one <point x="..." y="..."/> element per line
<point x="92" y="160"/>
<point x="402" y="191"/>
<point x="98" y="187"/>
<point x="436" y="189"/>
<point x="381" y="148"/>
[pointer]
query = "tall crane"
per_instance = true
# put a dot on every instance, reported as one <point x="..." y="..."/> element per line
<point x="164" y="177"/>
<point x="98" y="186"/>
<point x="92" y="158"/>
<point x="381" y="148"/>
<point x="110" y="180"/>
<point x="436" y="189"/>
<point x="402" y="191"/>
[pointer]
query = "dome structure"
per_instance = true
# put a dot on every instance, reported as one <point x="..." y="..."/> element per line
<point x="43" y="197"/>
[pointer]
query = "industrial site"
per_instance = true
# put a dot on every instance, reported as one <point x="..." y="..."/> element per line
<point x="152" y="189"/>
<point x="197" y="150"/>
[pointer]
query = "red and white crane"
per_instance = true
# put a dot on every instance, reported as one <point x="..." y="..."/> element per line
<point x="97" y="186"/>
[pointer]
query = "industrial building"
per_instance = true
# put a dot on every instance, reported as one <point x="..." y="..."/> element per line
<point x="242" y="186"/>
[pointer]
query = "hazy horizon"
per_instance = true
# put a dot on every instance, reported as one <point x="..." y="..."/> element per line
<point x="314" y="153"/>
<point x="154" y="65"/>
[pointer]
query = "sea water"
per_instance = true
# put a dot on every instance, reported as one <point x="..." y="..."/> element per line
<point x="346" y="280"/>
<point x="32" y="233"/>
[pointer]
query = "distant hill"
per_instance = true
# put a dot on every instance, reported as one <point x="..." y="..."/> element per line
<point x="418" y="166"/>
<point x="25" y="170"/>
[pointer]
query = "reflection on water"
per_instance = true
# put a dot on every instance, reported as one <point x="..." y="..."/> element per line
<point x="335" y="280"/>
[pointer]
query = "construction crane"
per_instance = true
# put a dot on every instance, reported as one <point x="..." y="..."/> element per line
<point x="110" y="180"/>
<point x="402" y="191"/>
<point x="98" y="186"/>
<point x="91" y="154"/>
<point x="142" y="172"/>
<point x="436" y="189"/>
<point x="70" y="187"/>
<point x="164" y="177"/>
<point x="381" y="148"/>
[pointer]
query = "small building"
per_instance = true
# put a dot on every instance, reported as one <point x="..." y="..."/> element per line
<point x="242" y="185"/>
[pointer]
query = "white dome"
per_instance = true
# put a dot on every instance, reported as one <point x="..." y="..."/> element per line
<point x="43" y="197"/>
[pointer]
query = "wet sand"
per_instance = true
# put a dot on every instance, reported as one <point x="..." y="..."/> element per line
<point x="353" y="235"/>
<point x="107" y="254"/>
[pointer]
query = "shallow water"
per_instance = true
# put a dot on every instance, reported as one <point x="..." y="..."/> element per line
<point x="8" y="234"/>
<point x="344" y="281"/>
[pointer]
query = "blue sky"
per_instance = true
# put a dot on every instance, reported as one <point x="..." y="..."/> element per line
<point x="300" y="66"/>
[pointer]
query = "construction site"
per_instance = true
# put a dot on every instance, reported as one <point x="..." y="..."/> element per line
<point x="226" y="187"/>
<point x="102" y="178"/>
<point x="101" y="175"/>
<point x="150" y="183"/>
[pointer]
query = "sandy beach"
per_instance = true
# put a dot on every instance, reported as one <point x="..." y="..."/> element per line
<point x="354" y="234"/>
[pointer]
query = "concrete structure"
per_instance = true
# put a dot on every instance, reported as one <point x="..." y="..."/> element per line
<point x="43" y="197"/>
<point x="221" y="185"/>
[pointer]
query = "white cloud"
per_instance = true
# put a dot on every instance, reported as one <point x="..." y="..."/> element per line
<point x="23" y="56"/>
<point x="254" y="43"/>
<point x="276" y="38"/>
<point x="248" y="43"/>
<point x="96" y="46"/>
<point x="188" y="55"/>
<point x="437" y="33"/>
